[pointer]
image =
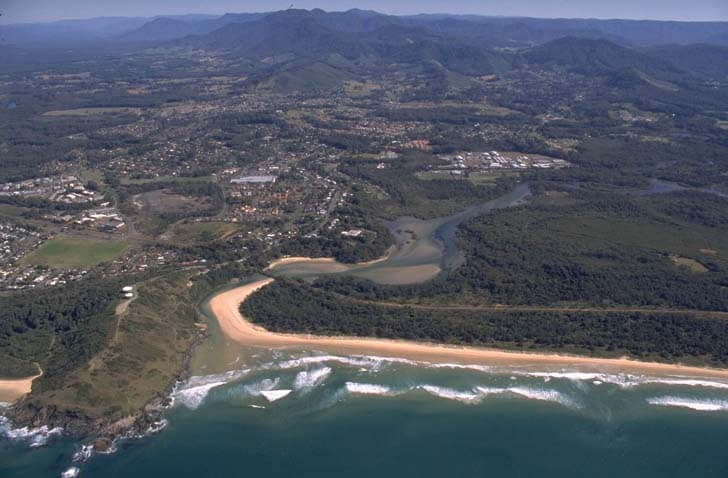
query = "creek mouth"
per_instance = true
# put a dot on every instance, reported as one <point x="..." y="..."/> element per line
<point x="422" y="248"/>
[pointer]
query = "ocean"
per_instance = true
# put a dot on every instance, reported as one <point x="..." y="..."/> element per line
<point x="309" y="413"/>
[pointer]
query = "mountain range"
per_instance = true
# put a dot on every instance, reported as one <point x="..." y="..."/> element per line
<point x="302" y="47"/>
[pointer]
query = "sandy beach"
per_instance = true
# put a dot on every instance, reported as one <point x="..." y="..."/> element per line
<point x="14" y="389"/>
<point x="296" y="260"/>
<point x="283" y="261"/>
<point x="225" y="306"/>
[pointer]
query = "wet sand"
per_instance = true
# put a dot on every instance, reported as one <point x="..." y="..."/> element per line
<point x="300" y="260"/>
<point x="225" y="307"/>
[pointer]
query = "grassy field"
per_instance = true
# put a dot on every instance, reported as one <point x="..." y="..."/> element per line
<point x="197" y="232"/>
<point x="73" y="251"/>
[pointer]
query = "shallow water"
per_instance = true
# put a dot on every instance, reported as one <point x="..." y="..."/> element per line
<point x="422" y="248"/>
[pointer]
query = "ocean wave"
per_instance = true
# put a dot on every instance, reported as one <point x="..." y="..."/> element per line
<point x="36" y="437"/>
<point x="193" y="397"/>
<point x="485" y="391"/>
<point x="687" y="382"/>
<point x="264" y="385"/>
<point x="156" y="427"/>
<point x="544" y="395"/>
<point x="310" y="378"/>
<point x="71" y="472"/>
<point x="450" y="394"/>
<point x="479" y="368"/>
<point x="83" y="454"/>
<point x="194" y="390"/>
<point x="703" y="405"/>
<point x="625" y="380"/>
<point x="367" y="389"/>
<point x="273" y="395"/>
<point x="369" y="362"/>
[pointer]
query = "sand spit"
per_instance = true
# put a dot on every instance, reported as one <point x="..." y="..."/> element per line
<point x="225" y="307"/>
<point x="283" y="261"/>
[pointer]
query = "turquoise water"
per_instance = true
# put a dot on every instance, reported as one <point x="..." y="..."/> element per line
<point x="368" y="416"/>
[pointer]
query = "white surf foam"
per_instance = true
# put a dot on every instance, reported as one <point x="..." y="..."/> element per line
<point x="687" y="382"/>
<point x="703" y="405"/>
<point x="83" y="454"/>
<point x="256" y="389"/>
<point x="485" y="391"/>
<point x="369" y="362"/>
<point x="479" y="368"/>
<point x="450" y="394"/>
<point x="311" y="378"/>
<point x="273" y="395"/>
<point x="624" y="380"/>
<point x="544" y="395"/>
<point x="157" y="427"/>
<point x="71" y="472"/>
<point x="367" y="389"/>
<point x="36" y="437"/>
<point x="194" y="391"/>
<point x="567" y="375"/>
<point x="256" y="406"/>
<point x="194" y="396"/>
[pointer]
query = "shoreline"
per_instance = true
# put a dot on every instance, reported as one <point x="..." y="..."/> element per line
<point x="298" y="259"/>
<point x="12" y="390"/>
<point x="226" y="309"/>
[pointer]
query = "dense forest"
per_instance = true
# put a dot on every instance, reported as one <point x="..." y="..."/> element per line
<point x="589" y="248"/>
<point x="286" y="306"/>
<point x="58" y="328"/>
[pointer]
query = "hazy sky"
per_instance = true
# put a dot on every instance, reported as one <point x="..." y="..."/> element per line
<point x="17" y="11"/>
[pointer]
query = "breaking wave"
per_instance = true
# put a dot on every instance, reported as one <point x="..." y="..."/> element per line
<point x="256" y="389"/>
<point x="194" y="396"/>
<point x="311" y="378"/>
<point x="544" y="395"/>
<point x="36" y="437"/>
<point x="368" y="389"/>
<point x="273" y="395"/>
<point x="369" y="362"/>
<point x="625" y="380"/>
<point x="193" y="392"/>
<point x="71" y="472"/>
<point x="450" y="394"/>
<point x="479" y="368"/>
<point x="703" y="405"/>
<point x="477" y="394"/>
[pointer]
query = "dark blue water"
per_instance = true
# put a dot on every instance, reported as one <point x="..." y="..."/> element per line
<point x="520" y="425"/>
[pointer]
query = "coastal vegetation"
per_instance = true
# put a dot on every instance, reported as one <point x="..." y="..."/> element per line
<point x="292" y="306"/>
<point x="102" y="364"/>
